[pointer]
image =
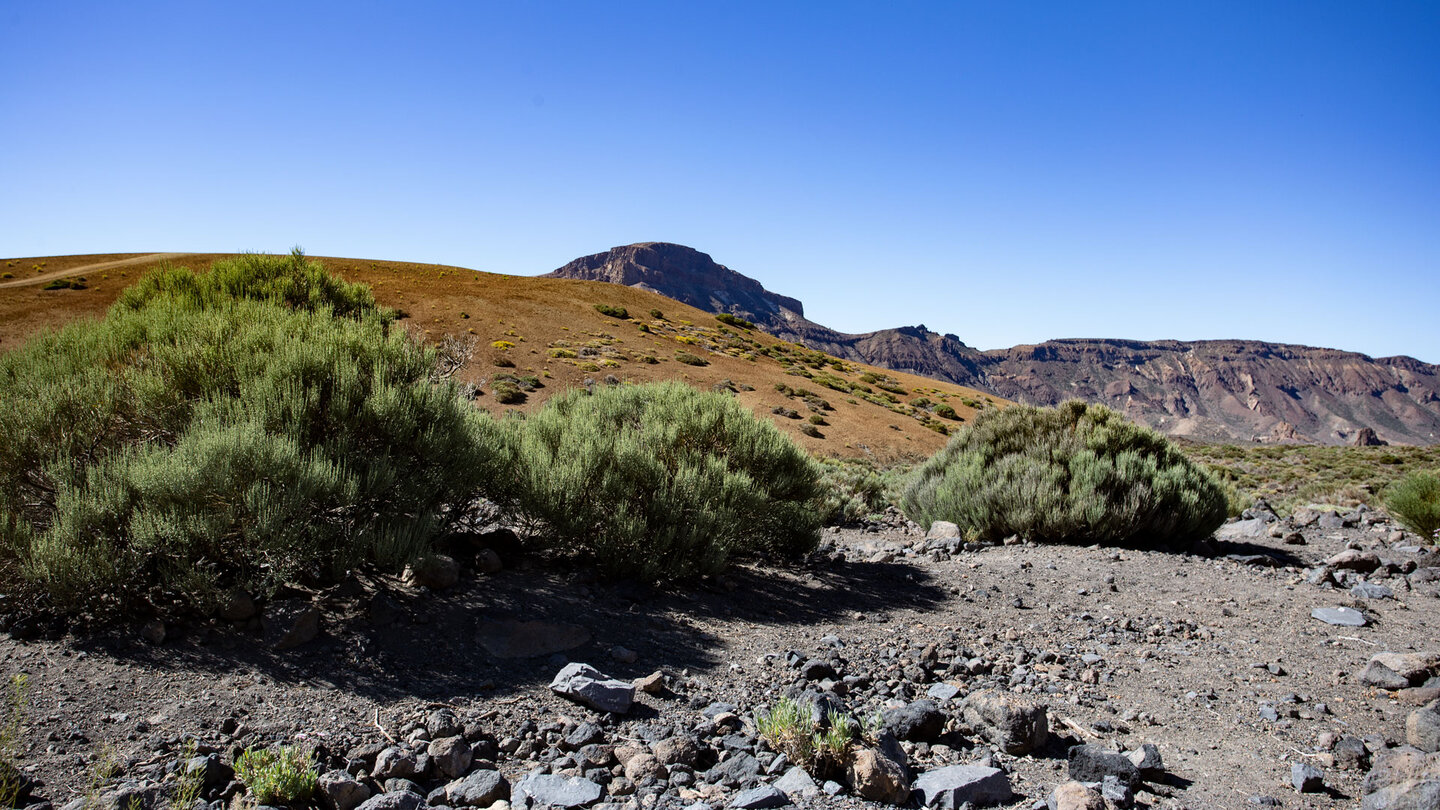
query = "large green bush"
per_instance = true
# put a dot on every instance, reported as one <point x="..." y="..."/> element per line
<point x="1076" y="473"/>
<point x="189" y="443"/>
<point x="292" y="282"/>
<point x="661" y="481"/>
<point x="1415" y="501"/>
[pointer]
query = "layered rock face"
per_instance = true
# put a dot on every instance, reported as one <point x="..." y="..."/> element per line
<point x="1215" y="390"/>
<point x="1231" y="389"/>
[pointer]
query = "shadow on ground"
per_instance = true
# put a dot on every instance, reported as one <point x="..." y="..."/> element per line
<point x="393" y="642"/>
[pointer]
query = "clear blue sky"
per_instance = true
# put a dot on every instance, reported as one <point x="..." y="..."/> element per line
<point x="1009" y="172"/>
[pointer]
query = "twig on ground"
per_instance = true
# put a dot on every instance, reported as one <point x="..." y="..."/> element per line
<point x="377" y="725"/>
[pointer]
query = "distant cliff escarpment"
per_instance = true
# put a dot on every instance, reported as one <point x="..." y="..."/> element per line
<point x="1214" y="390"/>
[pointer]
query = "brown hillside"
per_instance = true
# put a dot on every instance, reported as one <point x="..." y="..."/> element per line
<point x="560" y="339"/>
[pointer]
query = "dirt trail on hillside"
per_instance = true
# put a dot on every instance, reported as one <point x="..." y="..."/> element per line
<point x="90" y="268"/>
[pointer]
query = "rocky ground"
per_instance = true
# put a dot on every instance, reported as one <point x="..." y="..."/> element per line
<point x="1214" y="657"/>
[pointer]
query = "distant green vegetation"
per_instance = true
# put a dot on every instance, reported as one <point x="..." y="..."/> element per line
<point x="612" y="310"/>
<point x="1076" y="473"/>
<point x="1293" y="475"/>
<point x="734" y="320"/>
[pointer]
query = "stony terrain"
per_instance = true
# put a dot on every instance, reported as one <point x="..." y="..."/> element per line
<point x="1211" y="656"/>
<point x="1215" y="390"/>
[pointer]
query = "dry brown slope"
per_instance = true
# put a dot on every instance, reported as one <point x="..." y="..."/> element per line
<point x="546" y="317"/>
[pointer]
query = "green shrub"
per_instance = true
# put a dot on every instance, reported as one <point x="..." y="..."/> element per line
<point x="823" y="751"/>
<point x="65" y="284"/>
<point x="811" y="431"/>
<point x="946" y="412"/>
<point x="660" y="481"/>
<point x="657" y="315"/>
<point x="732" y="320"/>
<point x="690" y="359"/>
<point x="855" y="489"/>
<point x="190" y="444"/>
<point x="292" y="282"/>
<point x="283" y="776"/>
<point x="1076" y="473"/>
<point x="14" y="705"/>
<point x="1415" y="501"/>
<point x="612" y="310"/>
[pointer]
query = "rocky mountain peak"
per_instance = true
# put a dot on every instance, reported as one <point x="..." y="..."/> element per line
<point x="685" y="274"/>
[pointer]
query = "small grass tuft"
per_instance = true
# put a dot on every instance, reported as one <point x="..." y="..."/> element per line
<point x="285" y="775"/>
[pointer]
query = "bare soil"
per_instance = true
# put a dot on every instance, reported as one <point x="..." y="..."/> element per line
<point x="1179" y="648"/>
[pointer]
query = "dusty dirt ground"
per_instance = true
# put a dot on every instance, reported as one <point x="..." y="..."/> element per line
<point x="1124" y="646"/>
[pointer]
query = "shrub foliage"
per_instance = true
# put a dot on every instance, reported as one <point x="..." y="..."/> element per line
<point x="201" y="437"/>
<point x="660" y="480"/>
<point x="1415" y="501"/>
<point x="1075" y="473"/>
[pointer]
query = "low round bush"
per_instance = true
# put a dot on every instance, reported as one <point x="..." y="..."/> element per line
<point x="1415" y="501"/>
<point x="661" y="481"/>
<point x="1075" y="473"/>
<point x="187" y="444"/>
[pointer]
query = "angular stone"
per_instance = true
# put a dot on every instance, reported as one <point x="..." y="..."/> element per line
<point x="238" y="607"/>
<point x="1343" y="616"/>
<point x="642" y="767"/>
<point x="737" y="771"/>
<point x="584" y="684"/>
<point x="290" y="622"/>
<point x="942" y="691"/>
<point x="1015" y="725"/>
<point x="451" y="756"/>
<point x="1092" y="763"/>
<point x="1414" y="667"/>
<point x="434" y="571"/>
<point x="1371" y="590"/>
<point x="488" y="562"/>
<point x="553" y="790"/>
<point x="340" y="791"/>
<point x="1377" y="674"/>
<point x="1242" y="529"/>
<point x="681" y="749"/>
<point x="402" y="800"/>
<point x="1422" y="728"/>
<point x="759" y="798"/>
<point x="950" y="787"/>
<point x="395" y="762"/>
<point x="796" y="782"/>
<point x="1074" y="796"/>
<point x="920" y="721"/>
<point x="1148" y="761"/>
<point x="478" y="789"/>
<point x="1354" y="560"/>
<point x="1404" y="779"/>
<point x="942" y="529"/>
<point x="877" y="777"/>
<point x="1306" y="778"/>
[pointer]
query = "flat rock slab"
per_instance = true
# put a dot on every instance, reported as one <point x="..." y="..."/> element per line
<point x="1343" y="616"/>
<point x="584" y="684"/>
<point x="949" y="788"/>
<point x="511" y="639"/>
<point x="759" y="798"/>
<point x="548" y="789"/>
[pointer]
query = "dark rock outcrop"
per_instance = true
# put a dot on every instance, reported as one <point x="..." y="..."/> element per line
<point x="1210" y="390"/>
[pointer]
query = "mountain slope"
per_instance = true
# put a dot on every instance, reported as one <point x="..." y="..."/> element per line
<point x="549" y="334"/>
<point x="1223" y="390"/>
